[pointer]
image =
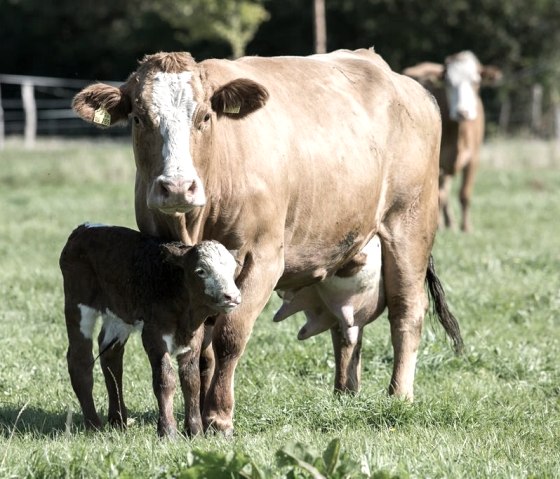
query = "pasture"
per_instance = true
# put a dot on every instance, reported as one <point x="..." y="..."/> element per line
<point x="495" y="412"/>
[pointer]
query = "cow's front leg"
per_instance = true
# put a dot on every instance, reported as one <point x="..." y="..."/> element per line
<point x="348" y="360"/>
<point x="111" y="359"/>
<point x="260" y="274"/>
<point x="163" y="380"/>
<point x="189" y="375"/>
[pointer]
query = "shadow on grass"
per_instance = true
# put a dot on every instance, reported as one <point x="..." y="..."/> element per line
<point x="40" y="422"/>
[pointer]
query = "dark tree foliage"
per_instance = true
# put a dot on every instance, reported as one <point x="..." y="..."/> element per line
<point x="103" y="39"/>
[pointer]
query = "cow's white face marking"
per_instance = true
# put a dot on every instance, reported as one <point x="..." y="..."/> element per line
<point x="216" y="267"/>
<point x="88" y="319"/>
<point x="173" y="107"/>
<point x="462" y="79"/>
<point x="172" y="348"/>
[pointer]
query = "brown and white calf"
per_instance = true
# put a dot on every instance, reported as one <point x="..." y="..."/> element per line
<point x="462" y="114"/>
<point x="137" y="282"/>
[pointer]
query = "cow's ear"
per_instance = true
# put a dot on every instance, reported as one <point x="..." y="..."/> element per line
<point x="238" y="98"/>
<point x="490" y="75"/>
<point x="173" y="252"/>
<point x="426" y="72"/>
<point x="103" y="105"/>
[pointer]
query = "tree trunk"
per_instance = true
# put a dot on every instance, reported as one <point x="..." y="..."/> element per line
<point x="320" y="23"/>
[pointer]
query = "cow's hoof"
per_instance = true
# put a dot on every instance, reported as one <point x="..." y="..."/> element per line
<point x="216" y="425"/>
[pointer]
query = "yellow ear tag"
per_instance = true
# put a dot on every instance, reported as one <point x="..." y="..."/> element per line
<point x="232" y="109"/>
<point x="102" y="117"/>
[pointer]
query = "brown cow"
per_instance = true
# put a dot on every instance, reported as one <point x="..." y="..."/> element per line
<point x="297" y="162"/>
<point x="462" y="122"/>
<point x="136" y="282"/>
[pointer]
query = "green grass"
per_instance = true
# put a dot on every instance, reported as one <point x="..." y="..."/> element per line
<point x="495" y="412"/>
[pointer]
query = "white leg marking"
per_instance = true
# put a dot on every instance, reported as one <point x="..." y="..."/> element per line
<point x="172" y="348"/>
<point x="88" y="319"/>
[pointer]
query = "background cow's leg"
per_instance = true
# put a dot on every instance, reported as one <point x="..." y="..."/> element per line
<point x="445" y="182"/>
<point x="189" y="375"/>
<point x="232" y="331"/>
<point x="348" y="361"/>
<point x="112" y="366"/>
<point x="163" y="380"/>
<point x="466" y="192"/>
<point x="80" y="367"/>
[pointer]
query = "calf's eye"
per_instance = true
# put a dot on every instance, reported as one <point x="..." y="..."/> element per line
<point x="200" y="272"/>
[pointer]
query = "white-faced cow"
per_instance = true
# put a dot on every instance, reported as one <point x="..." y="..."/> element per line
<point x="137" y="282"/>
<point x="297" y="162"/>
<point x="462" y="122"/>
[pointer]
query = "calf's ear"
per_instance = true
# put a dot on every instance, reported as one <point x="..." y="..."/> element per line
<point x="238" y="98"/>
<point x="103" y="105"/>
<point x="173" y="252"/>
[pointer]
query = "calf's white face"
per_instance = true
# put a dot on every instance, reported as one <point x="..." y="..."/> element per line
<point x="178" y="188"/>
<point x="462" y="80"/>
<point x="215" y="268"/>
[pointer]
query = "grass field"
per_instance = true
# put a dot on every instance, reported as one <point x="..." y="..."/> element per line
<point x="495" y="412"/>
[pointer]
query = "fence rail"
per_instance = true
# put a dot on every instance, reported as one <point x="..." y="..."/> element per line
<point x="44" y="106"/>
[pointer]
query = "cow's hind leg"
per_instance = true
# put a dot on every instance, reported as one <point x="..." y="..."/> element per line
<point x="348" y="360"/>
<point x="407" y="240"/>
<point x="80" y="360"/>
<point x="111" y="359"/>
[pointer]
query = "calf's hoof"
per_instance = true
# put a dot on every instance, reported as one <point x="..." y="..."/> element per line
<point x="168" y="431"/>
<point x="93" y="424"/>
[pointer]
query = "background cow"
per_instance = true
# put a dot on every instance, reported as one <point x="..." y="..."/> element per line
<point x="297" y="162"/>
<point x="462" y="122"/>
<point x="136" y="282"/>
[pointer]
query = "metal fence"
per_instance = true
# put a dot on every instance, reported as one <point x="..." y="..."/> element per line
<point x="34" y="105"/>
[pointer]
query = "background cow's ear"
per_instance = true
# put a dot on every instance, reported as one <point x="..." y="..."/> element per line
<point x="490" y="75"/>
<point x="173" y="252"/>
<point x="426" y="73"/>
<point x="238" y="98"/>
<point x="103" y="105"/>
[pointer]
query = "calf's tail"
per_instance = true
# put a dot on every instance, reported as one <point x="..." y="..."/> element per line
<point x="441" y="309"/>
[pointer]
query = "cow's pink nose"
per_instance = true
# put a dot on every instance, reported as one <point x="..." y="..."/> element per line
<point x="176" y="187"/>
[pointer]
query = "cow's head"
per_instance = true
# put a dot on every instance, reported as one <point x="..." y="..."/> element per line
<point x="172" y="107"/>
<point x="462" y="75"/>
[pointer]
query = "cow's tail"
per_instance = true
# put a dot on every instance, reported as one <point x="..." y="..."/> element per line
<point x="441" y="309"/>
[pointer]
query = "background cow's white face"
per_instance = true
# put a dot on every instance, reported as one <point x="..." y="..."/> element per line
<point x="462" y="80"/>
<point x="178" y="188"/>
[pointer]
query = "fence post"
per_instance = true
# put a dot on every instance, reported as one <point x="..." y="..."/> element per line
<point x="30" y="109"/>
<point x="536" y="108"/>
<point x="2" y="134"/>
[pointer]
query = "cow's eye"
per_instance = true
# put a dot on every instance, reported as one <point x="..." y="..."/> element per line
<point x="206" y="117"/>
<point x="200" y="272"/>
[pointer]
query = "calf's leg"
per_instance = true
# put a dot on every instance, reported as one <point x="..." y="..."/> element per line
<point x="111" y="359"/>
<point x="465" y="194"/>
<point x="80" y="366"/>
<point x="163" y="380"/>
<point x="189" y="375"/>
<point x="446" y="217"/>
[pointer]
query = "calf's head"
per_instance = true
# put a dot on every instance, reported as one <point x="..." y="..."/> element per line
<point x="173" y="109"/>
<point x="209" y="273"/>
